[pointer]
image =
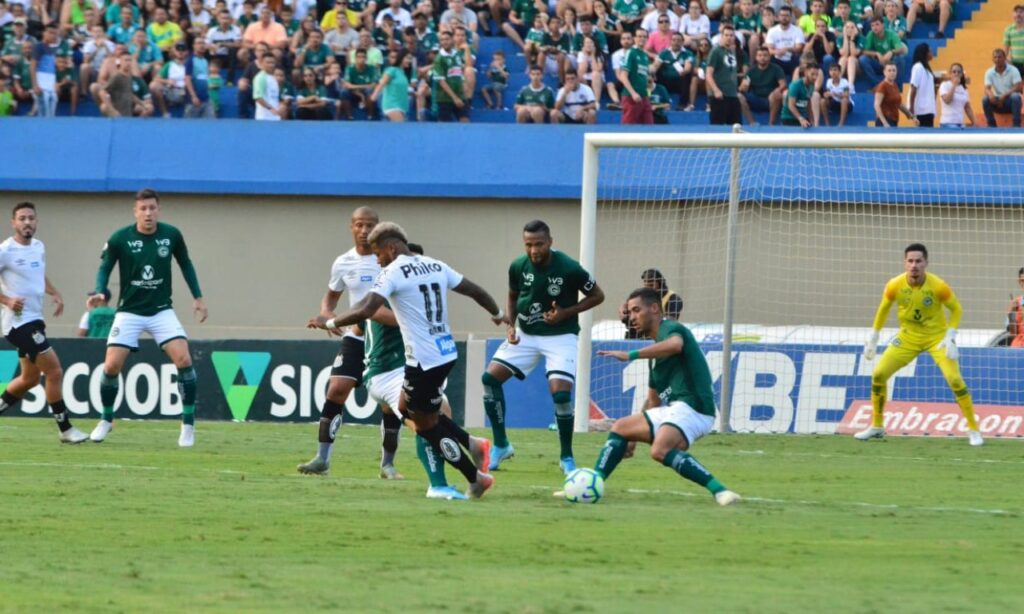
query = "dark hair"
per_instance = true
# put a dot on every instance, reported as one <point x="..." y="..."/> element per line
<point x="921" y="56"/>
<point x="20" y="206"/>
<point x="146" y="194"/>
<point x="537" y="225"/>
<point x="648" y="296"/>
<point x="877" y="19"/>
<point x="726" y="26"/>
<point x="416" y="248"/>
<point x="360" y="51"/>
<point x="916" y="247"/>
<point x="652" y="275"/>
<point x="768" y="8"/>
<point x="786" y="9"/>
<point x="534" y="67"/>
<point x="846" y="2"/>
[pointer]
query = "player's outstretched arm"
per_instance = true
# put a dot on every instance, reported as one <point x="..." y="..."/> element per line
<point x="662" y="349"/>
<point x="385" y="316"/>
<point x="58" y="300"/>
<point x="881" y="315"/>
<point x="482" y="298"/>
<point x="329" y="303"/>
<point x="363" y="310"/>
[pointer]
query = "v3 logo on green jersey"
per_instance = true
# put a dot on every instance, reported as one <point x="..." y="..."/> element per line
<point x="239" y="374"/>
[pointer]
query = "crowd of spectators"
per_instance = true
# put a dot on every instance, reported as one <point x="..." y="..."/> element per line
<point x="799" y="61"/>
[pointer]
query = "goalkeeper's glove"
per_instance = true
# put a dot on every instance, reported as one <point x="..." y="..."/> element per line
<point x="949" y="343"/>
<point x="871" y="346"/>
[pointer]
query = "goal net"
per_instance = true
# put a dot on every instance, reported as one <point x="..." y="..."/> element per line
<point x="780" y="245"/>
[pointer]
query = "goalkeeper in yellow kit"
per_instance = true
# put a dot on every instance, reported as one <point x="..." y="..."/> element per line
<point x="920" y="299"/>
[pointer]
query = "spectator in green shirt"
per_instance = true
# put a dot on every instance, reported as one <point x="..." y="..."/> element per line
<point x="359" y="82"/>
<point x="1013" y="39"/>
<point x="720" y="79"/>
<point x="803" y="103"/>
<point x="535" y="101"/>
<point x="8" y="105"/>
<point x="881" y="47"/>
<point x="763" y="88"/>
<point x="520" y="18"/>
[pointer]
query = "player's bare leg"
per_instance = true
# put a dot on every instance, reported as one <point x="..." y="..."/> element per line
<point x="109" y="385"/>
<point x="177" y="350"/>
<point x="338" y="390"/>
<point x="46" y="364"/>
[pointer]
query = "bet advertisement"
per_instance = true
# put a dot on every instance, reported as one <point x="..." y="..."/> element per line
<point x="277" y="381"/>
<point x="803" y="388"/>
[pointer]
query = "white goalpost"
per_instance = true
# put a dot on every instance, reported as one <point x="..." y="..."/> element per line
<point x="780" y="245"/>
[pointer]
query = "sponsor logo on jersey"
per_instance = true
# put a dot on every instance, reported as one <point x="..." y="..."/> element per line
<point x="527" y="279"/>
<point x="240" y="391"/>
<point x="445" y="345"/>
<point x="135" y="246"/>
<point x="35" y="264"/>
<point x="147" y="273"/>
<point x="366" y="278"/>
<point x="420" y="268"/>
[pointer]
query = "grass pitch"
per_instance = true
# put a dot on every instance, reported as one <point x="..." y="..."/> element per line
<point x="135" y="524"/>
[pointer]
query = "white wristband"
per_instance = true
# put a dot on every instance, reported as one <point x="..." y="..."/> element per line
<point x="331" y="324"/>
<point x="500" y="315"/>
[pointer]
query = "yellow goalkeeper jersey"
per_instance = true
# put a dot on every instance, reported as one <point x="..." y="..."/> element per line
<point x="920" y="309"/>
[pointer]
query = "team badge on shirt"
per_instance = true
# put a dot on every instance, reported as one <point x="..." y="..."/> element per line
<point x="927" y="301"/>
<point x="163" y="252"/>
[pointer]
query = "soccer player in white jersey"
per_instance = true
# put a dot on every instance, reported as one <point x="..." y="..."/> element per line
<point x="355" y="271"/>
<point x="417" y="289"/>
<point x="23" y="283"/>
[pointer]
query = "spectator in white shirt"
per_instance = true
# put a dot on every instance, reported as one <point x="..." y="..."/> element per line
<point x="954" y="102"/>
<point x="402" y="17"/>
<point x="785" y="41"/>
<point x="575" y="103"/>
<point x="695" y="26"/>
<point x="457" y="8"/>
<point x="650" y="20"/>
<point x="922" y="87"/>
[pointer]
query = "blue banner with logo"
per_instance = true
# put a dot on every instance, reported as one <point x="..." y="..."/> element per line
<point x="778" y="387"/>
<point x="282" y="381"/>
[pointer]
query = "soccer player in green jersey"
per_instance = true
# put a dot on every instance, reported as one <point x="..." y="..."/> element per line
<point x="544" y="287"/>
<point x="142" y="252"/>
<point x="680" y="407"/>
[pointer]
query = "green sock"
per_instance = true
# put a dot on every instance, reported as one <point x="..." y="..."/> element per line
<point x="433" y="466"/>
<point x="611" y="455"/>
<point x="187" y="390"/>
<point x="108" y="395"/>
<point x="688" y="467"/>
<point x="494" y="405"/>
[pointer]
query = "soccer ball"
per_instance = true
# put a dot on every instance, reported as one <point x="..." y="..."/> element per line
<point x="584" y="486"/>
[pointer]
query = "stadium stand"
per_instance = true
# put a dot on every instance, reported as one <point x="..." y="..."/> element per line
<point x="974" y="30"/>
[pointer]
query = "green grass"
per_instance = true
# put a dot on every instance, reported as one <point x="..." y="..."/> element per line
<point x="137" y="525"/>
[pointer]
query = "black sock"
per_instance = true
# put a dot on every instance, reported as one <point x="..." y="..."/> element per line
<point x="459" y="433"/>
<point x="444" y="441"/>
<point x="60" y="414"/>
<point x="328" y="429"/>
<point x="390" y="426"/>
<point x="8" y="399"/>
